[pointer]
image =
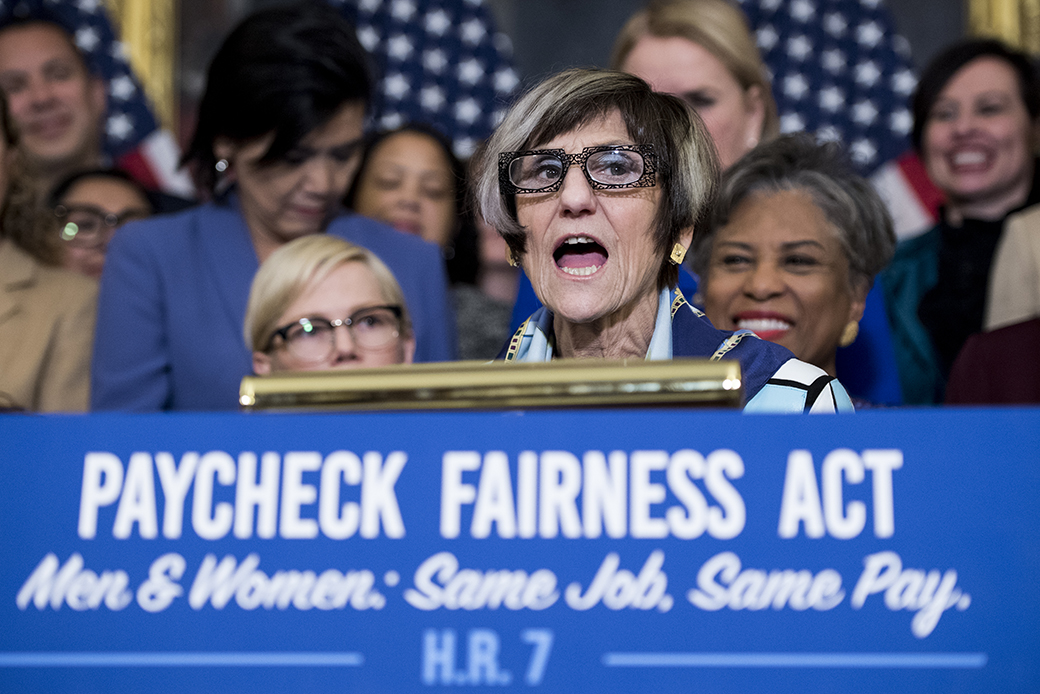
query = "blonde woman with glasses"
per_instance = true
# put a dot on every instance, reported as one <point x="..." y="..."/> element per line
<point x="322" y="303"/>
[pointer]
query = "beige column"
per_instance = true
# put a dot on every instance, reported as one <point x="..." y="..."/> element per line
<point x="1017" y="22"/>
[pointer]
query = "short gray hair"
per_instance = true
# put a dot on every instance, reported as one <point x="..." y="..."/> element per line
<point x="822" y="170"/>
<point x="687" y="164"/>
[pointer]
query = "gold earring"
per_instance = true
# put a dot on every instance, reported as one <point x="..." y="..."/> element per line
<point x="848" y="336"/>
<point x="678" y="253"/>
<point x="511" y="258"/>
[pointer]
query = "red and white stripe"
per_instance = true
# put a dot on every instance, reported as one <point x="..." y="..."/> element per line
<point x="912" y="199"/>
<point x="155" y="164"/>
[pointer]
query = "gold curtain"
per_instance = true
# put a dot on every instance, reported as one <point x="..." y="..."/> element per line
<point x="1015" y="21"/>
<point x="148" y="28"/>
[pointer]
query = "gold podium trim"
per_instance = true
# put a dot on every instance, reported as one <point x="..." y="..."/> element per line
<point x="474" y="385"/>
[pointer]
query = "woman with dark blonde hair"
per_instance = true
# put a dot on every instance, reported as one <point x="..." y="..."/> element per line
<point x="703" y="52"/>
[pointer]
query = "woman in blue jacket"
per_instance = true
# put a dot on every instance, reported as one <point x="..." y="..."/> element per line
<point x="277" y="143"/>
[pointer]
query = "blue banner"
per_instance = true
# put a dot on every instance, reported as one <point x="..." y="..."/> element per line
<point x="609" y="551"/>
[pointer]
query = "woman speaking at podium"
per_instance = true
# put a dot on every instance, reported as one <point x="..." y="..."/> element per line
<point x="597" y="184"/>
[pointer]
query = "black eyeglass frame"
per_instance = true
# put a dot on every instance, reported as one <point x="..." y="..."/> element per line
<point x="647" y="180"/>
<point x="107" y="218"/>
<point x="348" y="322"/>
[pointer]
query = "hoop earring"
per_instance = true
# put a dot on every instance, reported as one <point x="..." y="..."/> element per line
<point x="221" y="165"/>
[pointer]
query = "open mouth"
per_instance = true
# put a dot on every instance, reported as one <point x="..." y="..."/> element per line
<point x="580" y="256"/>
<point x="766" y="327"/>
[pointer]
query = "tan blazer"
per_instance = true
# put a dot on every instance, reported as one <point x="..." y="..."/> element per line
<point x="46" y="334"/>
<point x="1014" y="277"/>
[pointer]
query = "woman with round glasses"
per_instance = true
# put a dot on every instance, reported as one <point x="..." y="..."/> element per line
<point x="597" y="184"/>
<point x="323" y="303"/>
<point x="89" y="207"/>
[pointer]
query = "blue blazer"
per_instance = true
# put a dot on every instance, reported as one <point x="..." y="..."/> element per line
<point x="173" y="298"/>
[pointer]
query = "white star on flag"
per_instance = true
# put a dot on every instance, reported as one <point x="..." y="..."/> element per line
<point x="799" y="47"/>
<point x="368" y="37"/>
<point x="506" y="81"/>
<point x="391" y="121"/>
<point x="473" y="31"/>
<point x="87" y="38"/>
<point x="437" y="22"/>
<point x="119" y="126"/>
<point x="833" y="61"/>
<point x="867" y="73"/>
<point x="901" y="122"/>
<point x="802" y="10"/>
<point x="467" y="110"/>
<point x="471" y="71"/>
<point x="834" y="24"/>
<point x="402" y="10"/>
<point x="831" y="98"/>
<point x="122" y="87"/>
<point x="435" y="61"/>
<point x="396" y="86"/>
<point x="904" y="82"/>
<point x="766" y="38"/>
<point x="465" y="147"/>
<point x="864" y="112"/>
<point x="399" y="47"/>
<point x="795" y="86"/>
<point x="869" y="34"/>
<point x="432" y="98"/>
<point x="791" y="123"/>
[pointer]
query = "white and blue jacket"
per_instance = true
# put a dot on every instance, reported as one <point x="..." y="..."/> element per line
<point x="774" y="380"/>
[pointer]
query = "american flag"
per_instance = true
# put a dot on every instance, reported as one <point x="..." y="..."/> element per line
<point x="441" y="62"/>
<point x="132" y="136"/>
<point x="841" y="71"/>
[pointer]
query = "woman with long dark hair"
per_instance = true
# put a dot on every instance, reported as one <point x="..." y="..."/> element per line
<point x="277" y="143"/>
